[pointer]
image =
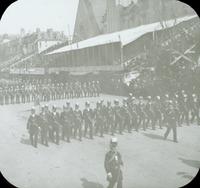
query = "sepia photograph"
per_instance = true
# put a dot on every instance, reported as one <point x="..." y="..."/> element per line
<point x="99" y="94"/>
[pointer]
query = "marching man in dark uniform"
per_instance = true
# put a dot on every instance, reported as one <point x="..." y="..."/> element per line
<point x="33" y="128"/>
<point x="113" y="162"/>
<point x="126" y="116"/>
<point x="78" y="121"/>
<point x="99" y="119"/>
<point x="118" y="119"/>
<point x="43" y="119"/>
<point x="110" y="118"/>
<point x="88" y="120"/>
<point x="55" y="125"/>
<point x="171" y="121"/>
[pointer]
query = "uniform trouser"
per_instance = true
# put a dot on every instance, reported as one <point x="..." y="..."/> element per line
<point x="110" y="126"/>
<point x="150" y="120"/>
<point x="118" y="124"/>
<point x="34" y="139"/>
<point x="23" y="99"/>
<point x="28" y="98"/>
<point x="116" y="181"/>
<point x="141" y="121"/>
<point x="185" y="117"/>
<point x="171" y="126"/>
<point x="55" y="135"/>
<point x="134" y="122"/>
<point x="33" y="98"/>
<point x="99" y="127"/>
<point x="44" y="137"/>
<point x="71" y="94"/>
<point x="178" y="119"/>
<point x="158" y="119"/>
<point x="113" y="183"/>
<point x="50" y="133"/>
<point x="90" y="126"/>
<point x="195" y="114"/>
<point x="66" y="132"/>
<point x="65" y="94"/>
<point x="77" y="128"/>
<point x="127" y="124"/>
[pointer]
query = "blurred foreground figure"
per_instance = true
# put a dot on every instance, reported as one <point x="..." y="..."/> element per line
<point x="112" y="164"/>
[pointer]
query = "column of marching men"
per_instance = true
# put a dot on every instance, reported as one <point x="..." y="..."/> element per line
<point x="113" y="117"/>
<point x="30" y="92"/>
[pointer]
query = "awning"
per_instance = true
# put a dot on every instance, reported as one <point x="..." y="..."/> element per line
<point x="125" y="36"/>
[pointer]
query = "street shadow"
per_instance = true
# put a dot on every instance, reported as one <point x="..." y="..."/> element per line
<point x="192" y="163"/>
<point x="89" y="184"/>
<point x="25" y="141"/>
<point x="154" y="136"/>
<point x="185" y="175"/>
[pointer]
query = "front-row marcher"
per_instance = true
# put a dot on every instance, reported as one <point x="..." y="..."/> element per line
<point x="33" y="127"/>
<point x="88" y="120"/>
<point x="113" y="162"/>
<point x="171" y="122"/>
<point x="43" y="123"/>
<point x="55" y="125"/>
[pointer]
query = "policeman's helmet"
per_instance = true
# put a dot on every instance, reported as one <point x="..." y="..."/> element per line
<point x="113" y="142"/>
<point x="158" y="97"/>
<point x="149" y="97"/>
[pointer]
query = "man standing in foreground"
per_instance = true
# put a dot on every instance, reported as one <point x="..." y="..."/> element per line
<point x="112" y="164"/>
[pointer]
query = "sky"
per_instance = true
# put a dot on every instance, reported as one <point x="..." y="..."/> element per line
<point x="31" y="14"/>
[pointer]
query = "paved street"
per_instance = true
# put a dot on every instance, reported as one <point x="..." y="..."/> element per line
<point x="149" y="161"/>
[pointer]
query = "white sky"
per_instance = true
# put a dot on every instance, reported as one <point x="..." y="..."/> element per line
<point x="43" y="14"/>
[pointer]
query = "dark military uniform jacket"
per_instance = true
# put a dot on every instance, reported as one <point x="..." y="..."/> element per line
<point x="112" y="164"/>
<point x="32" y="124"/>
<point x="88" y="115"/>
